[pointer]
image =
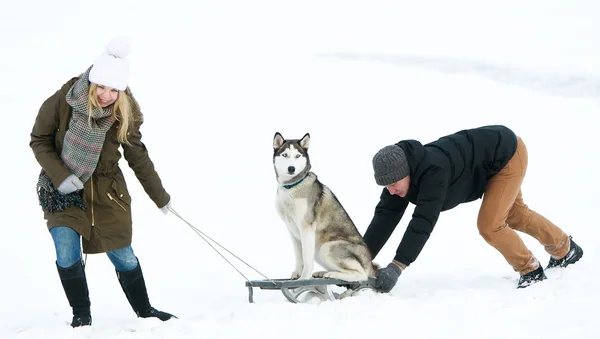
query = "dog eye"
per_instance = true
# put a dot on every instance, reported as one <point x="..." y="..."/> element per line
<point x="284" y="155"/>
<point x="297" y="156"/>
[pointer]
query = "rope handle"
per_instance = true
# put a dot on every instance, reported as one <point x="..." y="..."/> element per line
<point x="204" y="237"/>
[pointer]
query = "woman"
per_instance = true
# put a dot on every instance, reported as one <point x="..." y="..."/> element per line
<point x="81" y="188"/>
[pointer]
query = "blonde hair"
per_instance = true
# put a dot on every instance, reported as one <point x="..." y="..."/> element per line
<point x="121" y="111"/>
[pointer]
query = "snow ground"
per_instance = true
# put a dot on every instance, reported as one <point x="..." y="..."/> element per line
<point x="216" y="80"/>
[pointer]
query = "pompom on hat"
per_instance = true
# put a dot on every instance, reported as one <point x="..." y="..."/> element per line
<point x="112" y="67"/>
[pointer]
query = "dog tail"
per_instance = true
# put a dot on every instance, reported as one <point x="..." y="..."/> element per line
<point x="374" y="268"/>
<point x="365" y="259"/>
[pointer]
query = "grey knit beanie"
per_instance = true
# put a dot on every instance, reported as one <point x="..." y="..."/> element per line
<point x="390" y="165"/>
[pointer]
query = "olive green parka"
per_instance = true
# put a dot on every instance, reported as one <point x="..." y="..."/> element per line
<point x="106" y="224"/>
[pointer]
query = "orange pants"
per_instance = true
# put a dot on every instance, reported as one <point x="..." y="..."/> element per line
<point x="503" y="211"/>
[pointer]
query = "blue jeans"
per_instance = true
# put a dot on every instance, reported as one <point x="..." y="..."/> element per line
<point x="68" y="250"/>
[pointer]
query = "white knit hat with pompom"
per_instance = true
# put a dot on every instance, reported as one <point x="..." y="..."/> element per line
<point x="112" y="68"/>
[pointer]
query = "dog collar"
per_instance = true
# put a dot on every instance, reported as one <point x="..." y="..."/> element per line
<point x="296" y="183"/>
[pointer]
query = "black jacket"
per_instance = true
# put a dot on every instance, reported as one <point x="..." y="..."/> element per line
<point x="449" y="171"/>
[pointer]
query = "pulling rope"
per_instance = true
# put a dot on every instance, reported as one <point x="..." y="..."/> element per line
<point x="204" y="236"/>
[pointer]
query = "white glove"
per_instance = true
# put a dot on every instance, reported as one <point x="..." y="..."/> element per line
<point x="165" y="209"/>
<point x="70" y="184"/>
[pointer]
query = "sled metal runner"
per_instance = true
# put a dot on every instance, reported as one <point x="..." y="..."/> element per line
<point x="292" y="289"/>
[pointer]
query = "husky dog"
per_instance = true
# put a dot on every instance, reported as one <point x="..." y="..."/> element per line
<point x="320" y="228"/>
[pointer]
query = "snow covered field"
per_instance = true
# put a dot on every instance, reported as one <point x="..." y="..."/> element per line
<point x="216" y="80"/>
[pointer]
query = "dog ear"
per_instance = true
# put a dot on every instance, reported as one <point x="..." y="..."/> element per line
<point x="305" y="141"/>
<point x="278" y="140"/>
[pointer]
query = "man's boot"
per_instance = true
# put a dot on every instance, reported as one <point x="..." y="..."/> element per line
<point x="134" y="287"/>
<point x="75" y="285"/>
<point x="532" y="277"/>
<point x="573" y="255"/>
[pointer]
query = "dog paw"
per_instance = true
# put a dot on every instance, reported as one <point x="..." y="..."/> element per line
<point x="319" y="274"/>
<point x="295" y="275"/>
<point x="330" y="275"/>
<point x="335" y="275"/>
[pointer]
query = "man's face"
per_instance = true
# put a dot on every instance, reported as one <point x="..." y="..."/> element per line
<point x="400" y="187"/>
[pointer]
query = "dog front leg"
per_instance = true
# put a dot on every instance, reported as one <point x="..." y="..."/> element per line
<point x="307" y="234"/>
<point x="298" y="257"/>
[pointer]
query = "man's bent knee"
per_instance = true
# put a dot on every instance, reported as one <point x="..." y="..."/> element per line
<point x="489" y="232"/>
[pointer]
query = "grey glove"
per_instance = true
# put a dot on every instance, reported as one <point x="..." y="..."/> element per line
<point x="387" y="277"/>
<point x="70" y="184"/>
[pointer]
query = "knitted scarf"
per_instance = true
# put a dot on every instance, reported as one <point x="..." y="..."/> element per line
<point x="81" y="147"/>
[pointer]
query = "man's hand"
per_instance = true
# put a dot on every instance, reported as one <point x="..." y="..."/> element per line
<point x="387" y="277"/>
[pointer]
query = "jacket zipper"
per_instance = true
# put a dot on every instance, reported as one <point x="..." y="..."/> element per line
<point x="92" y="184"/>
<point x="115" y="200"/>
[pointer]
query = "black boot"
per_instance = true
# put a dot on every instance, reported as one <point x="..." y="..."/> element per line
<point x="575" y="253"/>
<point x="134" y="287"/>
<point x="532" y="277"/>
<point x="75" y="285"/>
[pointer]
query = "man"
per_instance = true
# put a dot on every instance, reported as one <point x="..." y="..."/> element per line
<point x="489" y="161"/>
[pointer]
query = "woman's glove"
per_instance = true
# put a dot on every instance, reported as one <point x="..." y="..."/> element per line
<point x="70" y="184"/>
<point x="165" y="208"/>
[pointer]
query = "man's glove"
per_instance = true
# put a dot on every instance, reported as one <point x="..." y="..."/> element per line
<point x="70" y="184"/>
<point x="387" y="277"/>
<point x="165" y="208"/>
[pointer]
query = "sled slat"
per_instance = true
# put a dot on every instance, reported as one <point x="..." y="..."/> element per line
<point x="276" y="284"/>
<point x="285" y="285"/>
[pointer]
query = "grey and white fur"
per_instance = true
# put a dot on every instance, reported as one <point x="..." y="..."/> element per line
<point x="318" y="225"/>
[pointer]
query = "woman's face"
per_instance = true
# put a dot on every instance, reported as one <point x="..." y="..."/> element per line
<point x="106" y="95"/>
